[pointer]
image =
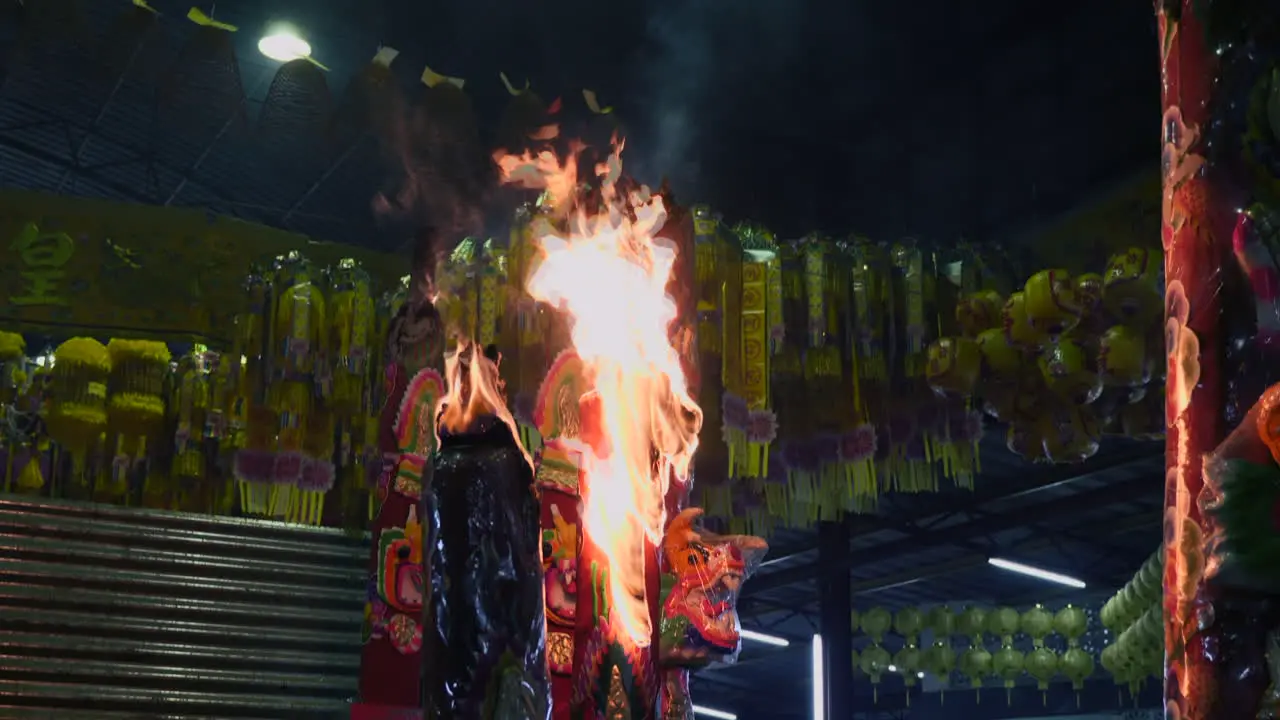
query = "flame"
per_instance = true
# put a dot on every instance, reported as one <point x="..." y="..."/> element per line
<point x="609" y="274"/>
<point x="473" y="389"/>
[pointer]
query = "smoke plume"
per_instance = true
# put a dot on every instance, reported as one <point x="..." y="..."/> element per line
<point x="702" y="64"/>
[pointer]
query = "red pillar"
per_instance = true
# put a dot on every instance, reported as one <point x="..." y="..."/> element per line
<point x="1204" y="81"/>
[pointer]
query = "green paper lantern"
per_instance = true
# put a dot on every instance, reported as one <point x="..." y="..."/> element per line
<point x="1007" y="664"/>
<point x="907" y="661"/>
<point x="1036" y="623"/>
<point x="941" y="621"/>
<point x="876" y="622"/>
<point x="1071" y="623"/>
<point x="975" y="664"/>
<point x="1042" y="664"/>
<point x="907" y="623"/>
<point x="939" y="660"/>
<point x="1003" y="623"/>
<point x="1077" y="665"/>
<point x="875" y="662"/>
<point x="972" y="623"/>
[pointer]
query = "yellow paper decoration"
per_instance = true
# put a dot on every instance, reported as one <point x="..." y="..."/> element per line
<point x="197" y="16"/>
<point x="78" y="387"/>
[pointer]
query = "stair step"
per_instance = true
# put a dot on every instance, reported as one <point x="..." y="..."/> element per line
<point x="13" y="712"/>
<point x="159" y="606"/>
<point x="344" y="595"/>
<point x="112" y="613"/>
<point x="208" y="541"/>
<point x="168" y="677"/>
<point x="152" y="520"/>
<point x="162" y="703"/>
<point x="74" y="648"/>
<point x="249" y="639"/>
<point x="209" y="566"/>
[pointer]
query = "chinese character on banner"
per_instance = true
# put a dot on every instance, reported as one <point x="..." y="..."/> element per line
<point x="42" y="256"/>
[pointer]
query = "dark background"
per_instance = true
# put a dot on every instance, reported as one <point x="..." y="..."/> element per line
<point x="938" y="119"/>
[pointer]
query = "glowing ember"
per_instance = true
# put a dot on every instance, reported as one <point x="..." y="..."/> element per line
<point x="609" y="274"/>
<point x="473" y="390"/>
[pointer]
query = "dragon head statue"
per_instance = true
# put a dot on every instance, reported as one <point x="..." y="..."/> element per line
<point x="704" y="575"/>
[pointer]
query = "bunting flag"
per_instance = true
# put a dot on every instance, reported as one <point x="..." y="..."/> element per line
<point x="385" y="56"/>
<point x="511" y="88"/>
<point x="431" y="79"/>
<point x="593" y="103"/>
<point x="197" y="16"/>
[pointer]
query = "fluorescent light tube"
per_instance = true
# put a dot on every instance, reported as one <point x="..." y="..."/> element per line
<point x="1038" y="573"/>
<point x="764" y="639"/>
<point x="713" y="713"/>
<point x="819" y="681"/>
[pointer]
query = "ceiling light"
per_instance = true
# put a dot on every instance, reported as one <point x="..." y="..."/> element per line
<point x="819" y="681"/>
<point x="284" y="45"/>
<point x="762" y="638"/>
<point x="1038" y="573"/>
<point x="712" y="713"/>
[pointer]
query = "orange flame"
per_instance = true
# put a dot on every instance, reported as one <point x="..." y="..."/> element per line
<point x="609" y="275"/>
<point x="473" y="389"/>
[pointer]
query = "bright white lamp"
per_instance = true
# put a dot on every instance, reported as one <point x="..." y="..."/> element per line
<point x="284" y="45"/>
<point x="819" y="681"/>
<point x="764" y="638"/>
<point x="1035" y="572"/>
<point x="713" y="713"/>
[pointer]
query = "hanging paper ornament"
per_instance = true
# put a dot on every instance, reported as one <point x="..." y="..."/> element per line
<point x="875" y="623"/>
<point x="975" y="664"/>
<point x="1003" y="622"/>
<point x="1007" y="664"/>
<point x="1050" y="302"/>
<point x="78" y="389"/>
<point x="1071" y="623"/>
<point x="1001" y="359"/>
<point x="351" y="335"/>
<point x="1089" y="293"/>
<point x="978" y="312"/>
<point x="939" y="659"/>
<point x="953" y="366"/>
<point x="136" y="407"/>
<point x="972" y="623"/>
<point x="872" y="296"/>
<point x="1042" y="664"/>
<point x="1070" y="373"/>
<point x="1036" y="623"/>
<point x="1133" y="284"/>
<point x="907" y="622"/>
<point x="1017" y="326"/>
<point x="189" y="405"/>
<point x="875" y="662"/>
<point x="12" y="352"/>
<point x="1076" y="665"/>
<point x="1070" y="433"/>
<point x="907" y="661"/>
<point x="1122" y="357"/>
<point x="941" y="621"/>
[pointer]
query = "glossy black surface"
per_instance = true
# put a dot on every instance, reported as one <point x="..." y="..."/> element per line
<point x="486" y="630"/>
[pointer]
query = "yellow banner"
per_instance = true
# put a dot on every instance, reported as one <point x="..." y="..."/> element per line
<point x="71" y="265"/>
<point x="1129" y="216"/>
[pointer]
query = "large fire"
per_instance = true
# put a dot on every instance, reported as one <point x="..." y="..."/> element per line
<point x="473" y="391"/>
<point x="608" y="272"/>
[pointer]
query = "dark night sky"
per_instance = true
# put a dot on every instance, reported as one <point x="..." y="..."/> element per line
<point x="805" y="114"/>
<point x="931" y="118"/>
